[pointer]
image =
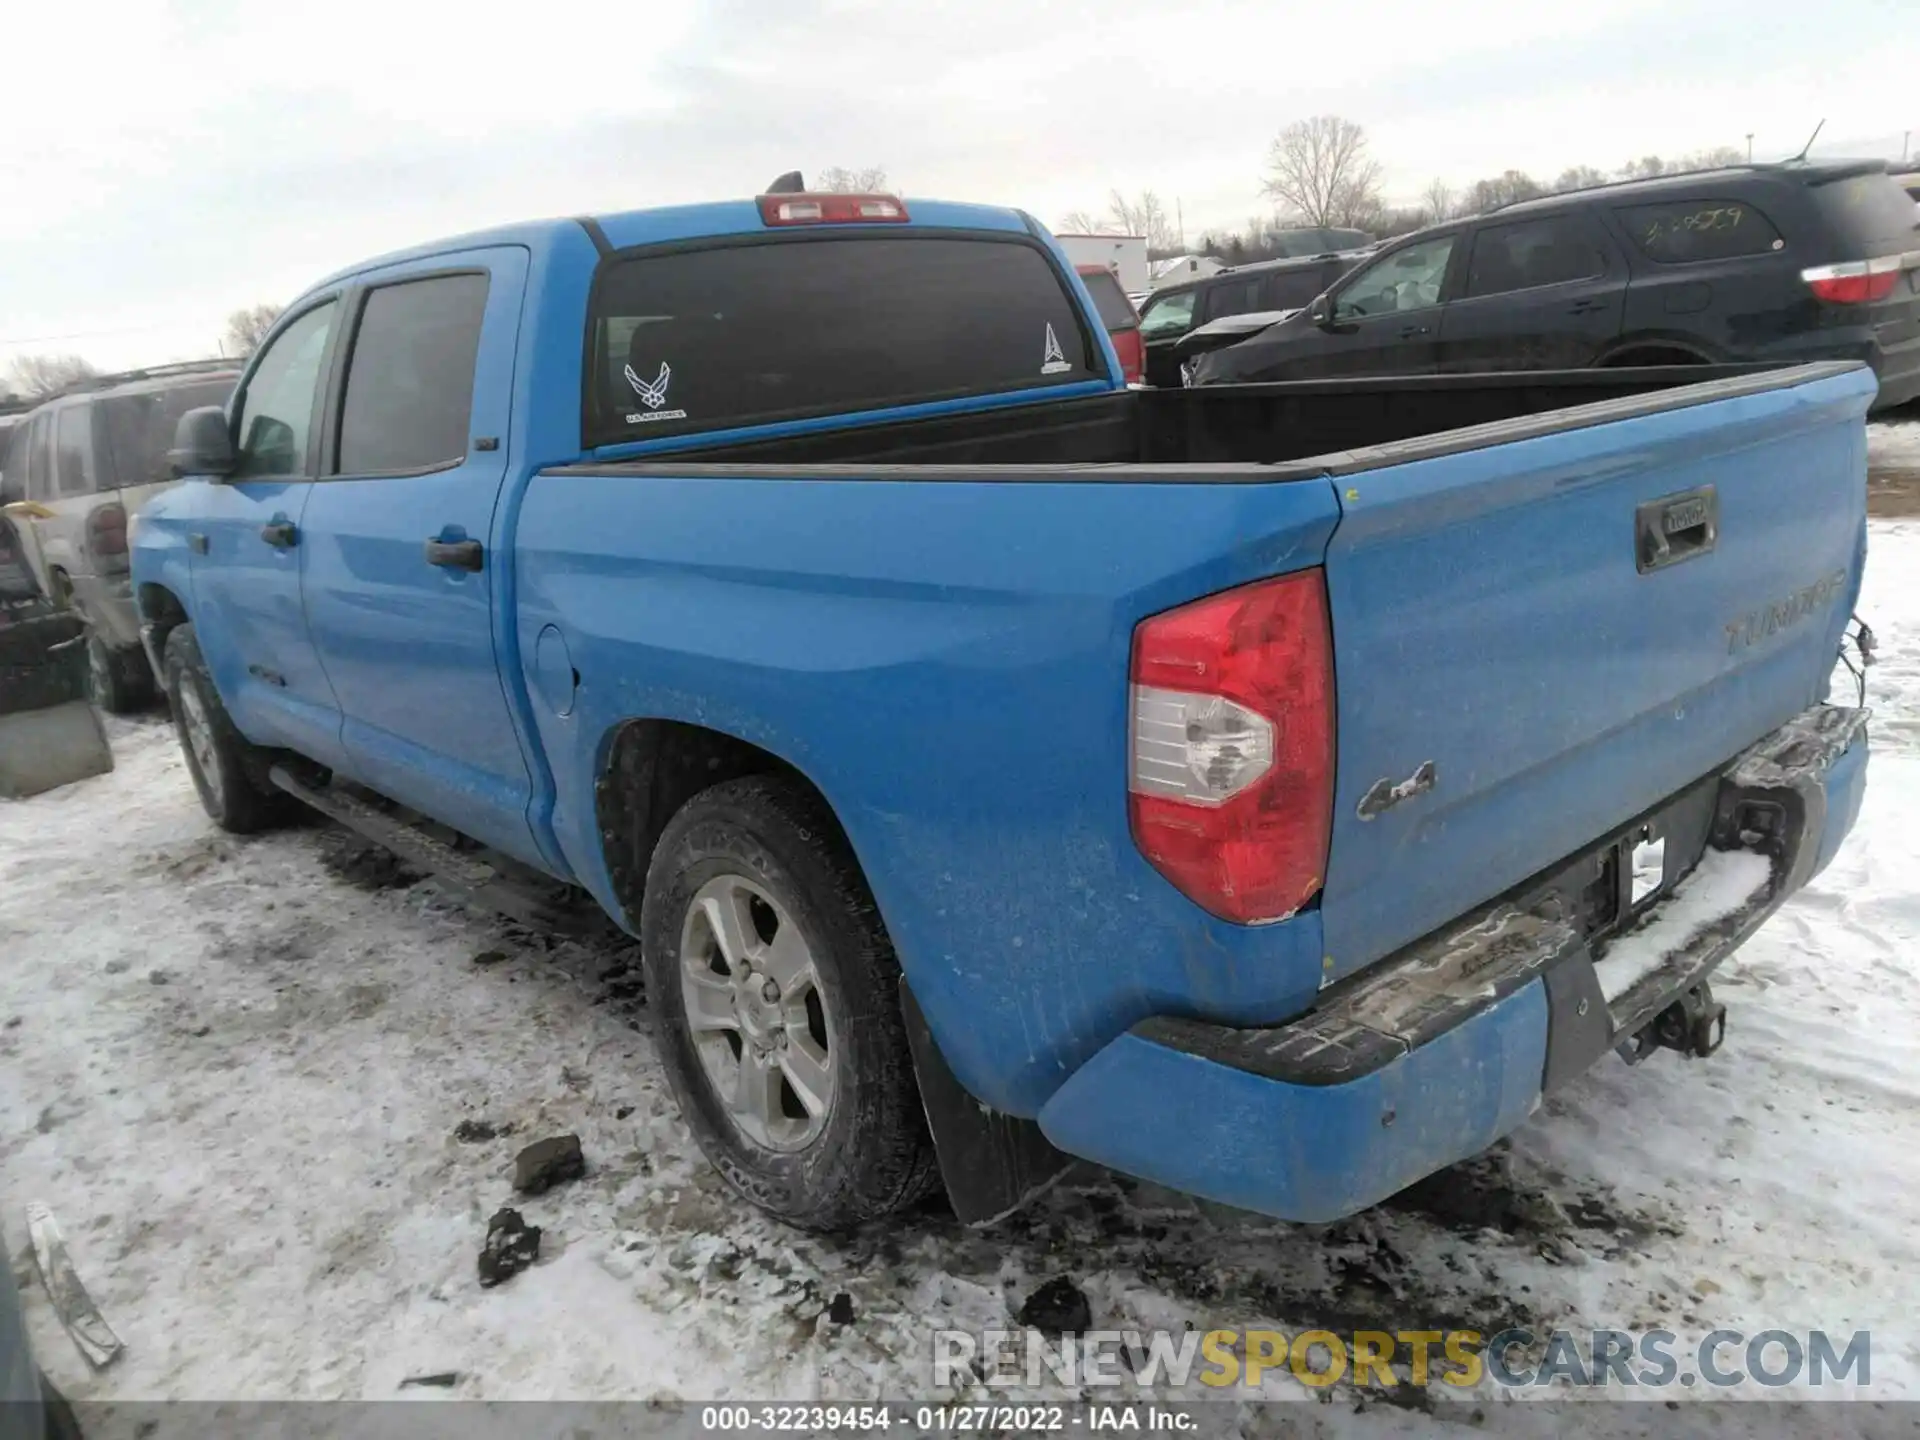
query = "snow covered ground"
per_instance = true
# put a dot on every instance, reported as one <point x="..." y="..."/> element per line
<point x="233" y="1069"/>
<point x="1894" y="444"/>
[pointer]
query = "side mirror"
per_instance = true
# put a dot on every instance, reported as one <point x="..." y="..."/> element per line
<point x="202" y="444"/>
<point x="1321" y="311"/>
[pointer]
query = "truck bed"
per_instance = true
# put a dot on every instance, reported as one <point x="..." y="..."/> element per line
<point x="1267" y="426"/>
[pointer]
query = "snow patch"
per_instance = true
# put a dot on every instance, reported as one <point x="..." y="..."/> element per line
<point x="1894" y="446"/>
<point x="1720" y="884"/>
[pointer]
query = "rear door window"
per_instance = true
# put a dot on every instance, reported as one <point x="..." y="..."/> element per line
<point x="73" y="471"/>
<point x="1685" y="232"/>
<point x="1110" y="301"/>
<point x="140" y="427"/>
<point x="751" y="333"/>
<point x="1234" y="296"/>
<point x="410" y="379"/>
<point x="1295" y="289"/>
<point x="1550" y="250"/>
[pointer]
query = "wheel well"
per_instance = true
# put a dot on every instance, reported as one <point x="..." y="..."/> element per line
<point x="161" y="609"/>
<point x="1665" y="354"/>
<point x="653" y="768"/>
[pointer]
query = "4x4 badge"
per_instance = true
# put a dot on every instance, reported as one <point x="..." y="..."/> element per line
<point x="1054" y="362"/>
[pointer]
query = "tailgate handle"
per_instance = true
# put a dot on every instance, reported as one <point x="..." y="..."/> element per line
<point x="1675" y="528"/>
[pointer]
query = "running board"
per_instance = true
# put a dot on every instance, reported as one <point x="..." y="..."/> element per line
<point x="493" y="883"/>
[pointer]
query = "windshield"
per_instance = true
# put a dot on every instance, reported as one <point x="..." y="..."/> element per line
<point x="1169" y="315"/>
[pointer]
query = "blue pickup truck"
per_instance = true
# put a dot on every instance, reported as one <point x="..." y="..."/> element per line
<point x="1271" y="791"/>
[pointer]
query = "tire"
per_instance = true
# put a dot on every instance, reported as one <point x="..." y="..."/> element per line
<point x="765" y="851"/>
<point x="229" y="773"/>
<point x="118" y="679"/>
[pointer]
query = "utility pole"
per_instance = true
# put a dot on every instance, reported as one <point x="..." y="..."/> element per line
<point x="1749" y="147"/>
<point x="1180" y="222"/>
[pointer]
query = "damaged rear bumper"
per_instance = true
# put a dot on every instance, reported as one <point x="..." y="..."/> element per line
<point x="1433" y="1054"/>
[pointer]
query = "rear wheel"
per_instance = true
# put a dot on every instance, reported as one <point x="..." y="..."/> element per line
<point x="778" y="1008"/>
<point x="229" y="773"/>
<point x="119" y="679"/>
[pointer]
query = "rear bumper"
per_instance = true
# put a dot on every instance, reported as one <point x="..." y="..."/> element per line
<point x="1435" y="1053"/>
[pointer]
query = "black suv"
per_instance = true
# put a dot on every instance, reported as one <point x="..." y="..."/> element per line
<point x="1758" y="263"/>
<point x="1175" y="311"/>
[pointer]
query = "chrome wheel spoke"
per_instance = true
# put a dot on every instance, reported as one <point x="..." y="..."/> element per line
<point x="726" y="913"/>
<point x="757" y="1096"/>
<point x="709" y="1002"/>
<point x="808" y="1070"/>
<point x="787" y="959"/>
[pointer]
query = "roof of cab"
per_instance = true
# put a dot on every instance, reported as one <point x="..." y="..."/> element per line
<point x="666" y="224"/>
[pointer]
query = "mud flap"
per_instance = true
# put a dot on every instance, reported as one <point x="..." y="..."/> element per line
<point x="992" y="1163"/>
<point x="49" y="734"/>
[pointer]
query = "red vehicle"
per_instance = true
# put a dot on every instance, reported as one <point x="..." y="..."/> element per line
<point x="1120" y="318"/>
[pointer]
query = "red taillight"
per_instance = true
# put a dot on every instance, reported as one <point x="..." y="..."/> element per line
<point x="1132" y="353"/>
<point x="107" y="533"/>
<point x="1231" y="790"/>
<point x="1861" y="282"/>
<point x="832" y="210"/>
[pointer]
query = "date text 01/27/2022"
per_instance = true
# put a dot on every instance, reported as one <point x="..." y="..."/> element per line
<point x="946" y="1419"/>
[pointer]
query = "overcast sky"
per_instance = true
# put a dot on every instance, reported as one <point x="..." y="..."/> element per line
<point x="165" y="164"/>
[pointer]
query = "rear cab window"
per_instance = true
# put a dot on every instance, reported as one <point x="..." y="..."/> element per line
<point x="140" y="427"/>
<point x="1686" y="232"/>
<point x="685" y="341"/>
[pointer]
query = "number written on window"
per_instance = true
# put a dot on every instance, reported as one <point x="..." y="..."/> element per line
<point x="1693" y="230"/>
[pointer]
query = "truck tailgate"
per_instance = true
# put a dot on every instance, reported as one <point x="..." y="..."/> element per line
<point x="1522" y="667"/>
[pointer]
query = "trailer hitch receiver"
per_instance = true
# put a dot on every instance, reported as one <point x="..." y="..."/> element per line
<point x="1695" y="1025"/>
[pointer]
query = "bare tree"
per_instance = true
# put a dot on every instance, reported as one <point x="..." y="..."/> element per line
<point x="1717" y="157"/>
<point x="1505" y="188"/>
<point x="1319" y="170"/>
<point x="1079" y="222"/>
<point x="1645" y="168"/>
<point x="1146" y="216"/>
<point x="247" y="328"/>
<point x="840" y="180"/>
<point x="35" y="375"/>
<point x="1579" y="177"/>
<point x="1439" y="201"/>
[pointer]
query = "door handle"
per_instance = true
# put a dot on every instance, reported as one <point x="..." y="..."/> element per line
<point x="1413" y="330"/>
<point x="1587" y="307"/>
<point x="455" y="554"/>
<point x="196" y="542"/>
<point x="280" y="534"/>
